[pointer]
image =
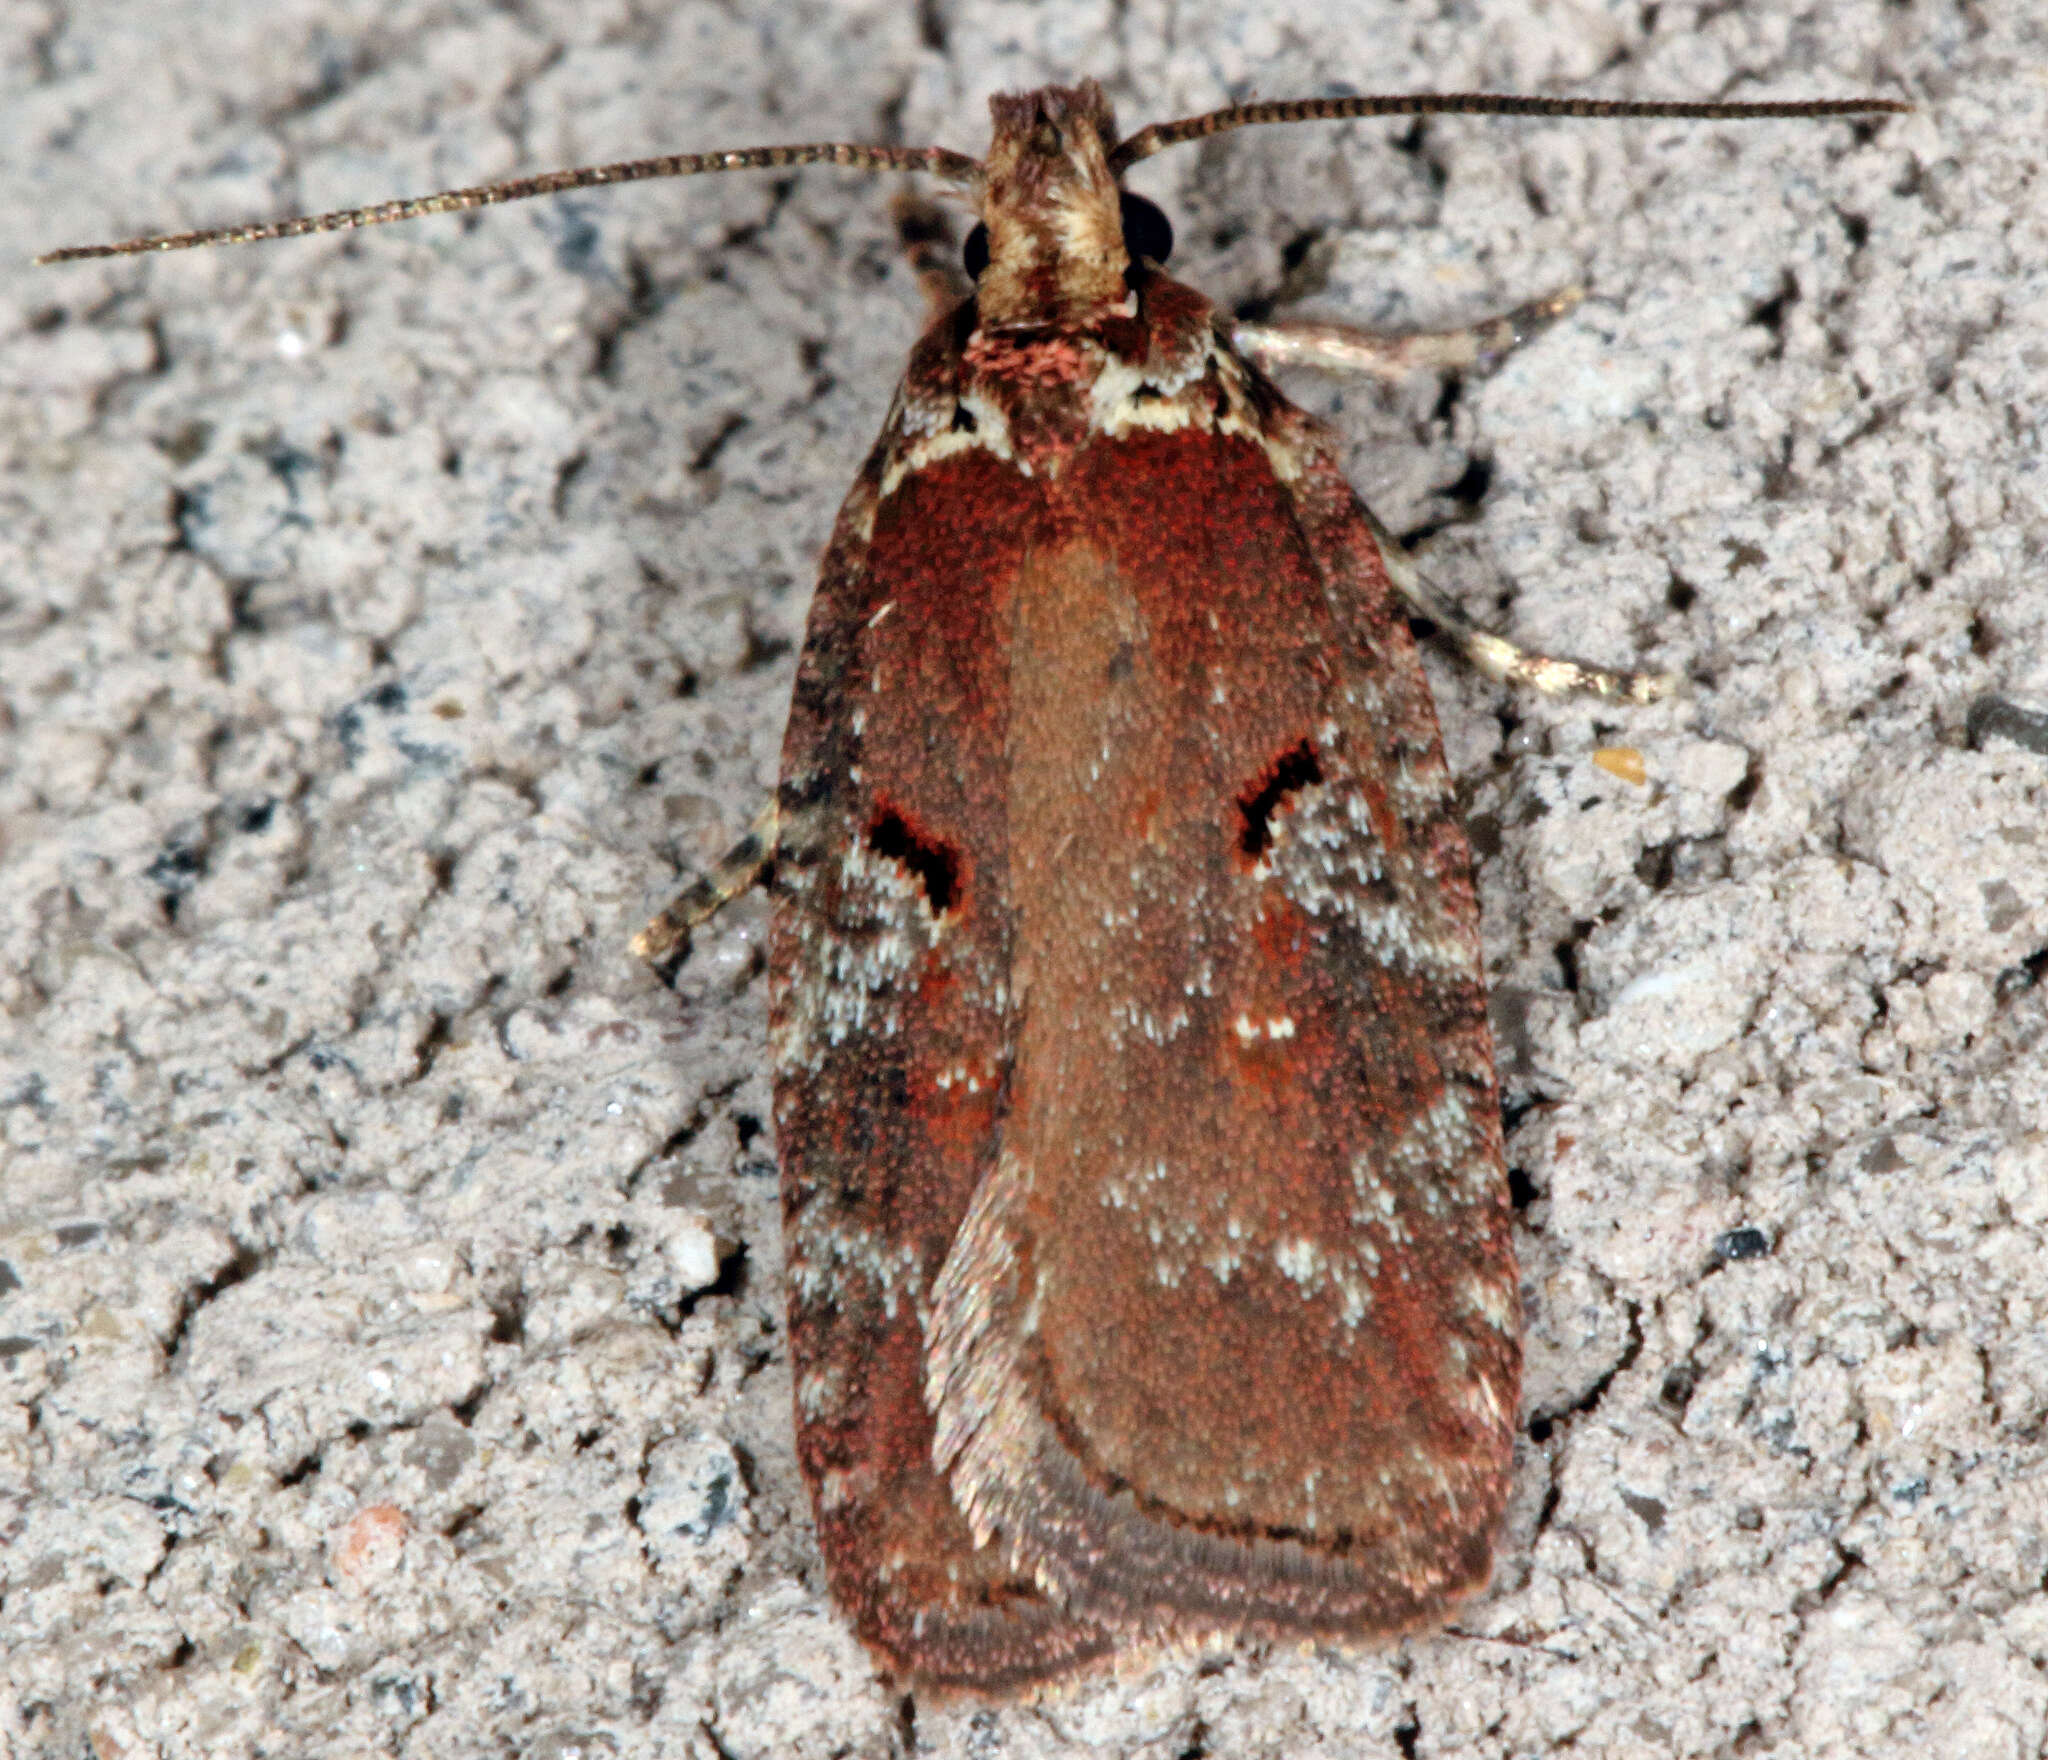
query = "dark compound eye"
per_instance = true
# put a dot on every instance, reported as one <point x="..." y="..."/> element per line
<point x="1147" y="233"/>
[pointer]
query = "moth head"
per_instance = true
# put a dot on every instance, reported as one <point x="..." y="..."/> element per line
<point x="1050" y="247"/>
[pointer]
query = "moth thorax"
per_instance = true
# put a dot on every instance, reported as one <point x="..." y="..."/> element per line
<point x="1051" y="204"/>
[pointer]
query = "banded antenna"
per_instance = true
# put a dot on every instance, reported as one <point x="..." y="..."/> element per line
<point x="959" y="168"/>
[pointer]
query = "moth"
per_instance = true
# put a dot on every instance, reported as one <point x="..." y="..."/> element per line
<point x="1150" y="1273"/>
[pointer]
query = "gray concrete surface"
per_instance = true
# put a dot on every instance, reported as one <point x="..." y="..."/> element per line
<point x="390" y="1355"/>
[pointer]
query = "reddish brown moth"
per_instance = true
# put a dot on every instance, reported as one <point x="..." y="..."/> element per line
<point x="1150" y="1274"/>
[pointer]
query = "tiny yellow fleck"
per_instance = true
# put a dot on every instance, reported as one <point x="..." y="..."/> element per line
<point x="1622" y="761"/>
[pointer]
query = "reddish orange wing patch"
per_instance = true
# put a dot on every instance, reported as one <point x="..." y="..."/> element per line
<point x="1149" y="1259"/>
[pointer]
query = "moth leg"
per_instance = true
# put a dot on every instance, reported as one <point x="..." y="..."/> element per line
<point x="666" y="939"/>
<point x="1494" y="656"/>
<point x="925" y="232"/>
<point x="1339" y="348"/>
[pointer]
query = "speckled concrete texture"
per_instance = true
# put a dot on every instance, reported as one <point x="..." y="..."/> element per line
<point x="390" y="1345"/>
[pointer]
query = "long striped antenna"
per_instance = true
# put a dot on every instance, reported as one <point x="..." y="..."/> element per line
<point x="939" y="161"/>
<point x="959" y="168"/>
<point x="1161" y="135"/>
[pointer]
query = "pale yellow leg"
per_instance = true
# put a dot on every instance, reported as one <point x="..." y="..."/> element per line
<point x="1340" y="348"/>
<point x="666" y="940"/>
<point x="1492" y="654"/>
